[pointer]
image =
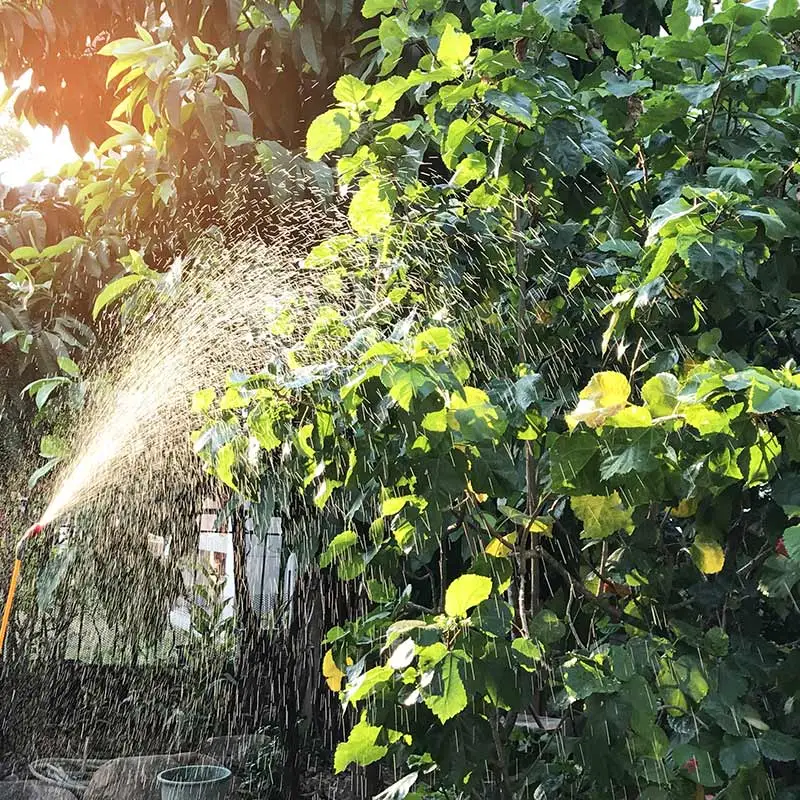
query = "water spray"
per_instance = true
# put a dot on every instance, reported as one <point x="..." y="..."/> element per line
<point x="19" y="555"/>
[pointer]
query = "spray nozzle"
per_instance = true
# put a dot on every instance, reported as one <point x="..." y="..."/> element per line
<point x="34" y="530"/>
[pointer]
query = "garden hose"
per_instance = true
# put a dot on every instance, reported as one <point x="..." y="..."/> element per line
<point x="19" y="555"/>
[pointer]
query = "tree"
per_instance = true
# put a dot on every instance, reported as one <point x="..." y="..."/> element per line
<point x="173" y="95"/>
<point x="544" y="497"/>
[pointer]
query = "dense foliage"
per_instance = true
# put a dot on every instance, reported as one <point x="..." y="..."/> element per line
<point x="548" y="416"/>
<point x="566" y="477"/>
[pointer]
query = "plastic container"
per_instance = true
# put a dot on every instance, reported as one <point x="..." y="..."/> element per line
<point x="195" y="782"/>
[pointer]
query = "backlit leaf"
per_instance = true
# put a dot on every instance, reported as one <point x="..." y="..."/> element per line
<point x="601" y="515"/>
<point x="360" y="748"/>
<point x="707" y="555"/>
<point x="454" y="46"/>
<point x="466" y="592"/>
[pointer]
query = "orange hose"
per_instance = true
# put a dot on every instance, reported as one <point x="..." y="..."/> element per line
<point x="12" y="590"/>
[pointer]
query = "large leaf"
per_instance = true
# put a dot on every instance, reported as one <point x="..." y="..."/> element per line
<point x="601" y="515"/>
<point x="371" y="207"/>
<point x="616" y="32"/>
<point x="707" y="554"/>
<point x="114" y="291"/>
<point x="557" y="13"/>
<point x="360" y="748"/>
<point x="454" y="46"/>
<point x="450" y="697"/>
<point x="606" y="394"/>
<point x="327" y="132"/>
<point x="465" y="593"/>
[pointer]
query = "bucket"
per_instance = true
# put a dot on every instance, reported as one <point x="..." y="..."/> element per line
<point x="195" y="782"/>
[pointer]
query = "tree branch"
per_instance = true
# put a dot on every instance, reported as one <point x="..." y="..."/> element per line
<point x="616" y="614"/>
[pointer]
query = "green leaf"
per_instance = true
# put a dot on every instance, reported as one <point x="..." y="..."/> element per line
<point x="26" y="253"/>
<point x="617" y="33"/>
<point x="697" y="765"/>
<point x="67" y="365"/>
<point x="762" y="47"/>
<point x="569" y="456"/>
<point x="660" y="110"/>
<point x="360" y="748"/>
<point x="791" y="541"/>
<point x="660" y="394"/>
<point x="605" y="395"/>
<point x="371" y="207"/>
<point x="43" y="388"/>
<point x="557" y="13"/>
<point x="762" y="462"/>
<point x="237" y="88"/>
<point x="406" y="383"/>
<point x="601" y="515"/>
<point x="340" y="544"/>
<point x="327" y="132"/>
<point x="400" y="789"/>
<point x="636" y="457"/>
<point x="707" y="554"/>
<point x="454" y="46"/>
<point x="783" y="17"/>
<point x="562" y="147"/>
<point x="471" y="168"/>
<point x="394" y="505"/>
<point x="778" y="746"/>
<point x="113" y="291"/>
<point x="738" y="753"/>
<point x="436" y="340"/>
<point x="452" y="699"/>
<point x="226" y="458"/>
<point x="372" y="8"/>
<point x="383" y="96"/>
<point x="546" y="627"/>
<point x="473" y="418"/>
<point x="42" y="471"/>
<point x="466" y="592"/>
<point x="786" y="493"/>
<point x="767" y="397"/>
<point x="350" y="90"/>
<point x="679" y="19"/>
<point x="582" y="679"/>
<point x="517" y="106"/>
<point x="202" y="400"/>
<point x="740" y="15"/>
<point x="53" y="447"/>
<point x="363" y="686"/>
<point x="529" y="391"/>
<point x="528" y="652"/>
<point x="61" y="248"/>
<point x="492" y="616"/>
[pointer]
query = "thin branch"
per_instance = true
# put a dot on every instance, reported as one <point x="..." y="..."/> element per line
<point x="718" y="93"/>
<point x="616" y="614"/>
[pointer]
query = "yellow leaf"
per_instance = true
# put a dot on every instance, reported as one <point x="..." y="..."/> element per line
<point x="498" y="549"/>
<point x="686" y="508"/>
<point x="707" y="555"/>
<point x="333" y="675"/>
<point x="606" y="394"/>
<point x="480" y="497"/>
<point x="632" y="417"/>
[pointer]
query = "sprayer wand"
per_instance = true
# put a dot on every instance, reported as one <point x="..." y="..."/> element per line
<point x="19" y="555"/>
